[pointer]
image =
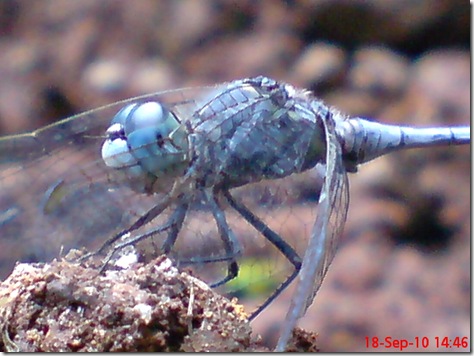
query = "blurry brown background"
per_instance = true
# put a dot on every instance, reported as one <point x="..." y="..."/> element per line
<point x="403" y="270"/>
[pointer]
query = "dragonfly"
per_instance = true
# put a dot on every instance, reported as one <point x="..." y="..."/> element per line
<point x="168" y="163"/>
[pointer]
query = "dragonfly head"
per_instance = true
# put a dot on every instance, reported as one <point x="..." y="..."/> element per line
<point x="148" y="145"/>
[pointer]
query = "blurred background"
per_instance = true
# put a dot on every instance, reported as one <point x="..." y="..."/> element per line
<point x="403" y="268"/>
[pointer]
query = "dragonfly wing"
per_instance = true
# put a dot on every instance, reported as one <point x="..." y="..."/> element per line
<point x="332" y="212"/>
<point x="56" y="190"/>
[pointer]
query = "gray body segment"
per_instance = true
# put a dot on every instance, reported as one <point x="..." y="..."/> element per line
<point x="363" y="140"/>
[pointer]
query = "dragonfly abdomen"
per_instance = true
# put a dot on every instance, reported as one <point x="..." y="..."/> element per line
<point x="364" y="140"/>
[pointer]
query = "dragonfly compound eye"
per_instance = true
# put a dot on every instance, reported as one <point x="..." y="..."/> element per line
<point x="147" y="138"/>
<point x="115" y="150"/>
<point x="143" y="115"/>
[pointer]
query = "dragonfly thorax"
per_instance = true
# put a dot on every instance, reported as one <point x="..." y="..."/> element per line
<point x="264" y="130"/>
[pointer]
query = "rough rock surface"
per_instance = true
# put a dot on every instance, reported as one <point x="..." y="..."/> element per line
<point x="64" y="307"/>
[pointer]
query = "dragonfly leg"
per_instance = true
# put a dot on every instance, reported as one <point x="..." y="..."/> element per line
<point x="174" y="224"/>
<point x="142" y="220"/>
<point x="132" y="241"/>
<point x="231" y="244"/>
<point x="275" y="239"/>
<point x="177" y="220"/>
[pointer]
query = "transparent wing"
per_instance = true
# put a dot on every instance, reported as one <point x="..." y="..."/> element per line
<point x="62" y="162"/>
<point x="332" y="212"/>
<point x="57" y="193"/>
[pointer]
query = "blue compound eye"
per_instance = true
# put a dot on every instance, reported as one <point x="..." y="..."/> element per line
<point x="159" y="140"/>
<point x="155" y="150"/>
<point x="149" y="136"/>
<point x="122" y="115"/>
<point x="146" y="115"/>
<point x="141" y="115"/>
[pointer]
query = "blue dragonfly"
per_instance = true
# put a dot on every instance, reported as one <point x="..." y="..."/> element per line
<point x="168" y="159"/>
